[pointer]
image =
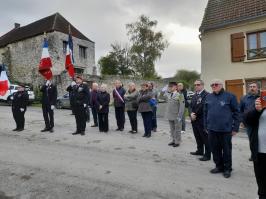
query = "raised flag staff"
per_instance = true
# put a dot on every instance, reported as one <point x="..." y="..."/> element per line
<point x="70" y="56"/>
<point x="45" y="62"/>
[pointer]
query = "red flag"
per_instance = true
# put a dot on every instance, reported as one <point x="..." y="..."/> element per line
<point x="45" y="62"/>
<point x="4" y="83"/>
<point x="69" y="57"/>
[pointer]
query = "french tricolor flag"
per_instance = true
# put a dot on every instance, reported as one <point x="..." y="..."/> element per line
<point x="4" y="83"/>
<point x="45" y="62"/>
<point x="70" y="57"/>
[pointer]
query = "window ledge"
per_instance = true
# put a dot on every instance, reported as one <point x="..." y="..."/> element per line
<point x="255" y="60"/>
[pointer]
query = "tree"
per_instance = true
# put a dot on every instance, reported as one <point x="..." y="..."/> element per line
<point x="117" y="62"/>
<point x="187" y="77"/>
<point x="147" y="46"/>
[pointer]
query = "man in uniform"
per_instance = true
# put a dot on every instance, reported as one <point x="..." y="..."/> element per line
<point x="49" y="97"/>
<point x="81" y="98"/>
<point x="71" y="99"/>
<point x="174" y="113"/>
<point x="94" y="93"/>
<point x="201" y="136"/>
<point x="19" y="106"/>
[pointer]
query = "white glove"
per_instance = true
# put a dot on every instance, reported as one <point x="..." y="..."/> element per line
<point x="179" y="119"/>
<point x="52" y="107"/>
<point x="21" y="109"/>
<point x="85" y="105"/>
<point x="11" y="97"/>
<point x="73" y="83"/>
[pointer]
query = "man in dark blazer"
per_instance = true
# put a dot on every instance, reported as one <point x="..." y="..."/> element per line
<point x="49" y="97"/>
<point x="19" y="106"/>
<point x="201" y="136"/>
<point x="81" y="99"/>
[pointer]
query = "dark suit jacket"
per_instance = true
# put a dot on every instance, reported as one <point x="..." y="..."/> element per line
<point x="49" y="95"/>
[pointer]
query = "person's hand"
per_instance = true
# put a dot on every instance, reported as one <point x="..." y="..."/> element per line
<point x="179" y="119"/>
<point x="101" y="107"/>
<point x="234" y="133"/>
<point x="85" y="105"/>
<point x="21" y="109"/>
<point x="193" y="116"/>
<point x="73" y="83"/>
<point x="258" y="105"/>
<point x="52" y="107"/>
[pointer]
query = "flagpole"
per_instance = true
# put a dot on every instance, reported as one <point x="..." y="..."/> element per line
<point x="69" y="33"/>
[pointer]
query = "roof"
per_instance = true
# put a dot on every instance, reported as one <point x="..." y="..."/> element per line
<point x="55" y="22"/>
<point x="221" y="13"/>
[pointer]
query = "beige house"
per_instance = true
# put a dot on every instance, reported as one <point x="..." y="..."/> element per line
<point x="233" y="43"/>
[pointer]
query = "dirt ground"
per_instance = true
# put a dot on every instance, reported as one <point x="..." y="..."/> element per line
<point x="116" y="165"/>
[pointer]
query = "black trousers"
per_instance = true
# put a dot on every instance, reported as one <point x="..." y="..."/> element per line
<point x="201" y="137"/>
<point x="120" y="117"/>
<point x="95" y="115"/>
<point x="81" y="117"/>
<point x="154" y="117"/>
<point x="260" y="173"/>
<point x="221" y="147"/>
<point x="103" y="122"/>
<point x="132" y="115"/>
<point x="19" y="118"/>
<point x="88" y="114"/>
<point x="48" y="116"/>
<point x="147" y="121"/>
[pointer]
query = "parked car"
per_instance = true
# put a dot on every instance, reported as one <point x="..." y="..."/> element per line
<point x="63" y="102"/>
<point x="13" y="89"/>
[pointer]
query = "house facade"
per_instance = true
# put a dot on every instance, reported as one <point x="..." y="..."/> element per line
<point x="21" y="48"/>
<point x="233" y="44"/>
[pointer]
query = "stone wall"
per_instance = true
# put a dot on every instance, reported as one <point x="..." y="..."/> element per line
<point x="22" y="58"/>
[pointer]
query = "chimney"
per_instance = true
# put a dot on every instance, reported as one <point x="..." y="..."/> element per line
<point x="17" y="25"/>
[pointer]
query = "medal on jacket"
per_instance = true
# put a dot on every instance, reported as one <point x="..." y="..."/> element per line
<point x="199" y="100"/>
<point x="80" y="89"/>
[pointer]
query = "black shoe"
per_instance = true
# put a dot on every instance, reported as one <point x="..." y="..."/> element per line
<point x="122" y="129"/>
<point x="76" y="133"/>
<point x="21" y="129"/>
<point x="196" y="153"/>
<point x="176" y="145"/>
<point x="227" y="174"/>
<point x="155" y="130"/>
<point x="171" y="144"/>
<point x="148" y="136"/>
<point x="130" y="131"/>
<point x="51" y="130"/>
<point x="144" y="136"/>
<point x="45" y="129"/>
<point x="204" y="158"/>
<point x="82" y="133"/>
<point x="216" y="170"/>
<point x="134" y="132"/>
<point x="15" y="129"/>
<point x="94" y="125"/>
<point x="118" y="129"/>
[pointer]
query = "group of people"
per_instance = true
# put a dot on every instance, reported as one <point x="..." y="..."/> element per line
<point x="215" y="116"/>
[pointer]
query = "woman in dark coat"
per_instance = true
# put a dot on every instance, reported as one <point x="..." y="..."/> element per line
<point x="256" y="119"/>
<point x="103" y="100"/>
<point x="145" y="108"/>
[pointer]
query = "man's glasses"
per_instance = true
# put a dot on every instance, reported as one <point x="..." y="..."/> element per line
<point x="215" y="85"/>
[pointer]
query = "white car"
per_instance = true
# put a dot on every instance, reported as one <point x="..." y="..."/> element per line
<point x="14" y="88"/>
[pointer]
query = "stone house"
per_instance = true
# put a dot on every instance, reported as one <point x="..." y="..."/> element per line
<point x="21" y="48"/>
<point x="233" y="43"/>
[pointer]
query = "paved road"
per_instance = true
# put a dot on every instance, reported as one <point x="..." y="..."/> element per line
<point x="116" y="165"/>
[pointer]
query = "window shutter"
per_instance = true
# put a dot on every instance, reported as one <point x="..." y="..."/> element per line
<point x="238" y="47"/>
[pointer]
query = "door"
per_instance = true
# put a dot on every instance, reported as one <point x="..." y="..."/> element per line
<point x="235" y="87"/>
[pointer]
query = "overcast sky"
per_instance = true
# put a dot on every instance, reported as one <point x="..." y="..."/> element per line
<point x="103" y="21"/>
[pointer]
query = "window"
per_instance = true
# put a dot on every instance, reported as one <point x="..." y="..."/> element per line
<point x="64" y="46"/>
<point x="82" y="52"/>
<point x="256" y="45"/>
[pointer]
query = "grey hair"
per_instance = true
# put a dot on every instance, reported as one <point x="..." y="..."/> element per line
<point x="219" y="81"/>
